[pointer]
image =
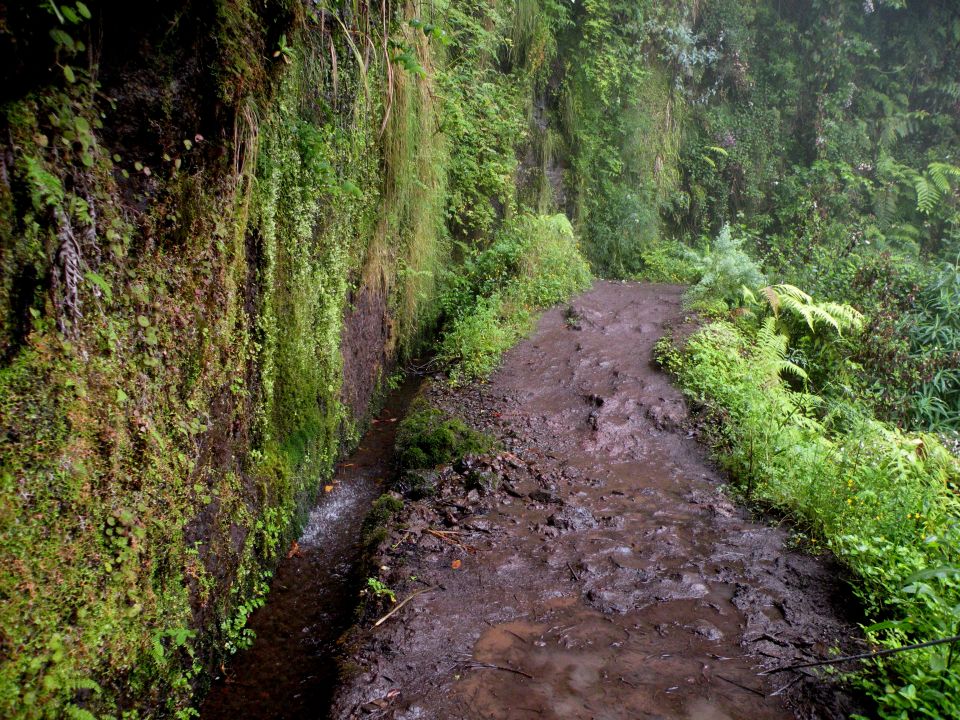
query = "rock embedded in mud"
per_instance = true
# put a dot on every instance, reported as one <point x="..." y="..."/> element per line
<point x="482" y="480"/>
<point x="708" y="630"/>
<point x="418" y="484"/>
<point x="545" y="497"/>
<point x="572" y="518"/>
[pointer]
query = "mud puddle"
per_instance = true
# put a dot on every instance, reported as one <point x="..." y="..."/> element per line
<point x="289" y="673"/>
<point x="596" y="570"/>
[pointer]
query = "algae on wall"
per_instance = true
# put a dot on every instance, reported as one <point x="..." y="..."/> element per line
<point x="171" y="390"/>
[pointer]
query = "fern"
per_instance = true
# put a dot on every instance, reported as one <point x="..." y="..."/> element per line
<point x="791" y="299"/>
<point x="927" y="194"/>
<point x="771" y="353"/>
<point x="935" y="185"/>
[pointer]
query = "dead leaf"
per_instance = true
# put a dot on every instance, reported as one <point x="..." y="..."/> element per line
<point x="328" y="488"/>
<point x="456" y="564"/>
<point x="294" y="550"/>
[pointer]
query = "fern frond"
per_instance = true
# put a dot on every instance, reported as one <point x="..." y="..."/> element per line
<point x="847" y="317"/>
<point x="772" y="353"/>
<point x="785" y="366"/>
<point x="784" y="297"/>
<point x="772" y="298"/>
<point x="940" y="175"/>
<point x="927" y="194"/>
<point x="792" y="291"/>
<point x="771" y="344"/>
<point x="796" y="301"/>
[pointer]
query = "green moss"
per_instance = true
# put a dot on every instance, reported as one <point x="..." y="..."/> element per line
<point x="428" y="437"/>
<point x="375" y="524"/>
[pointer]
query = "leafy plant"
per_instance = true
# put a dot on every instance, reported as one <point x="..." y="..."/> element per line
<point x="882" y="501"/>
<point x="535" y="262"/>
<point x="379" y="589"/>
<point x="724" y="269"/>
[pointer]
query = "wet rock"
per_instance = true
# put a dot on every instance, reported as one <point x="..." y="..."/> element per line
<point x="544" y="496"/>
<point x="572" y="518"/>
<point x="708" y="630"/>
<point x="509" y="488"/>
<point x="550" y="531"/>
<point x="482" y="480"/>
<point x="594" y="399"/>
<point x="418" y="484"/>
<point x="666" y="416"/>
<point x="593" y="420"/>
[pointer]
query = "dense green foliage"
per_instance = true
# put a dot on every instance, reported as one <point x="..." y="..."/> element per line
<point x="825" y="136"/>
<point x="176" y="295"/>
<point x="533" y="263"/>
<point x="883" y="501"/>
<point x="827" y="132"/>
<point x="428" y="437"/>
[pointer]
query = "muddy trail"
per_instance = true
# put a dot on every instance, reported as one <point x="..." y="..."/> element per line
<point x="290" y="672"/>
<point x="594" y="568"/>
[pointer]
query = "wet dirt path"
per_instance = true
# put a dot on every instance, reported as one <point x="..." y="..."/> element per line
<point x="607" y="576"/>
<point x="290" y="672"/>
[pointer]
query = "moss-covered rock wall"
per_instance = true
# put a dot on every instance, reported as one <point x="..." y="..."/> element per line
<point x="221" y="224"/>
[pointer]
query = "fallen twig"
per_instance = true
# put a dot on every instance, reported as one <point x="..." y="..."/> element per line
<point x="742" y="687"/>
<point x="789" y="685"/>
<point x="400" y="541"/>
<point x="864" y="656"/>
<point x="491" y="666"/>
<point x="518" y="637"/>
<point x="444" y="535"/>
<point x="403" y="602"/>
<point x="573" y="572"/>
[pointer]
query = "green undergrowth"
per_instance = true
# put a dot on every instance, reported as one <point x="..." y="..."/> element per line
<point x="883" y="501"/>
<point x="533" y="263"/>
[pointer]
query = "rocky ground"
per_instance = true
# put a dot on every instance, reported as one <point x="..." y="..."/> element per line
<point x="594" y="568"/>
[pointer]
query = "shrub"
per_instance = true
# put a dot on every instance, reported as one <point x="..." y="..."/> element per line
<point x="668" y="261"/>
<point x="724" y="269"/>
<point x="885" y="502"/>
<point x="534" y="262"/>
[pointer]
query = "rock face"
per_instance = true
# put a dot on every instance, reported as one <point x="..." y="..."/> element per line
<point x="606" y="575"/>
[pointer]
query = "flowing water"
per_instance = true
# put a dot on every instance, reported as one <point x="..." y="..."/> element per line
<point x="289" y="673"/>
